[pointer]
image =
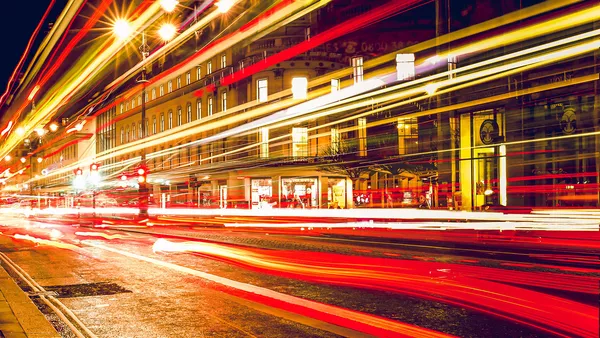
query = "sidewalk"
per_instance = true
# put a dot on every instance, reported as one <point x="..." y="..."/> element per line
<point x="19" y="317"/>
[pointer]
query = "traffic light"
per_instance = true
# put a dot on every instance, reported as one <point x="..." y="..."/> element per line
<point x="123" y="177"/>
<point x="142" y="172"/>
<point x="94" y="167"/>
<point x="78" y="172"/>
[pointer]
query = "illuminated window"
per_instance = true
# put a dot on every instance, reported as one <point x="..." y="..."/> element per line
<point x="198" y="73"/>
<point x="188" y="78"/>
<point x="224" y="101"/>
<point x="299" y="87"/>
<point x="264" y="142"/>
<point x="140" y="100"/>
<point x="335" y="140"/>
<point x="162" y="90"/>
<point x="170" y="86"/>
<point x="362" y="136"/>
<point x="223" y="61"/>
<point x="147" y="130"/>
<point x="178" y="82"/>
<point x="198" y="109"/>
<point x="154" y="125"/>
<point x="208" y="68"/>
<point x="357" y="69"/>
<point x="122" y="137"/>
<point x="335" y="85"/>
<point x="407" y="136"/>
<point x="162" y="122"/>
<point x="127" y="106"/>
<point x="262" y="90"/>
<point x="127" y="134"/>
<point x="210" y="106"/>
<point x="133" y="132"/>
<point x="140" y="131"/>
<point x="122" y="108"/>
<point x="132" y="103"/>
<point x="300" y="142"/>
<point x="170" y="119"/>
<point x="405" y="66"/>
<point x="153" y="93"/>
<point x="179" y="117"/>
<point x="189" y="112"/>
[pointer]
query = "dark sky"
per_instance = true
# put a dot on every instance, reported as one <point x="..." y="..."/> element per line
<point x="18" y="21"/>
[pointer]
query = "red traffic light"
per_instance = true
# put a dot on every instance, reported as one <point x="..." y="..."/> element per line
<point x="94" y="167"/>
<point x="78" y="172"/>
<point x="141" y="171"/>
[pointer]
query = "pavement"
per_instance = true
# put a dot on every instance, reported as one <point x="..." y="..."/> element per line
<point x="19" y="317"/>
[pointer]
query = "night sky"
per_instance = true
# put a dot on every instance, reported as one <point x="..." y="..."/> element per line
<point x="19" y="20"/>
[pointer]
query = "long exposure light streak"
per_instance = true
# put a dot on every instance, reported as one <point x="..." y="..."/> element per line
<point x="369" y="324"/>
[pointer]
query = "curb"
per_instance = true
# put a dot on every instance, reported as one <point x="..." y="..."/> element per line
<point x="19" y="316"/>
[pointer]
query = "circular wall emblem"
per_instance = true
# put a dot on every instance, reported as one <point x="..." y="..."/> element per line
<point x="568" y="121"/>
<point x="489" y="131"/>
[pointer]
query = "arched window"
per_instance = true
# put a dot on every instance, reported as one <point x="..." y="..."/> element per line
<point x="127" y="134"/>
<point x="133" y="131"/>
<point x="170" y="119"/>
<point x="162" y="122"/>
<point x="189" y="112"/>
<point x="154" y="125"/>
<point x="198" y="109"/>
<point x="122" y="135"/>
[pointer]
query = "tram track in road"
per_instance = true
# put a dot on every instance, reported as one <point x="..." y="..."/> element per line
<point x="76" y="326"/>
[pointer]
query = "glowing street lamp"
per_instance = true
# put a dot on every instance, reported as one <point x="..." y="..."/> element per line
<point x="39" y="159"/>
<point x="7" y="158"/>
<point x="168" y="5"/>
<point x="225" y="5"/>
<point x="167" y="31"/>
<point x="20" y="131"/>
<point x="53" y="127"/>
<point x="122" y="29"/>
<point x="40" y="132"/>
<point x="23" y="159"/>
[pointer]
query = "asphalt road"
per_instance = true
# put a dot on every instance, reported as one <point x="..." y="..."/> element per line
<point x="178" y="279"/>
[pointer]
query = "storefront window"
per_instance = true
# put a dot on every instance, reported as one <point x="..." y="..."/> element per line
<point x="299" y="193"/>
<point x="336" y="193"/>
<point x="262" y="193"/>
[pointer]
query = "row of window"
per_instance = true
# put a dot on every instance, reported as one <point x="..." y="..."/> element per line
<point x="130" y="134"/>
<point x="161" y="89"/>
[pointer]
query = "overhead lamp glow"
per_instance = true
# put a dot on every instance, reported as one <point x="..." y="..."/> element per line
<point x="20" y="131"/>
<point x="7" y="158"/>
<point x="122" y="29"/>
<point x="224" y="5"/>
<point x="23" y="159"/>
<point x="39" y="159"/>
<point x="40" y="132"/>
<point x="167" y="31"/>
<point x="168" y="5"/>
<point x="53" y="127"/>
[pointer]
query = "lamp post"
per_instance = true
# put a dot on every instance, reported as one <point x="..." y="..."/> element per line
<point x="123" y="30"/>
<point x="143" y="187"/>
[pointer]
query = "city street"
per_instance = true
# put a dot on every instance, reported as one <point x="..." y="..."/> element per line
<point x="186" y="279"/>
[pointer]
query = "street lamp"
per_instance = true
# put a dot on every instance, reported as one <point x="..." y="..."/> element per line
<point x="122" y="29"/>
<point x="7" y="158"/>
<point x="224" y="5"/>
<point x="168" y="5"/>
<point x="20" y="131"/>
<point x="23" y="159"/>
<point x="167" y="31"/>
<point x="53" y="127"/>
